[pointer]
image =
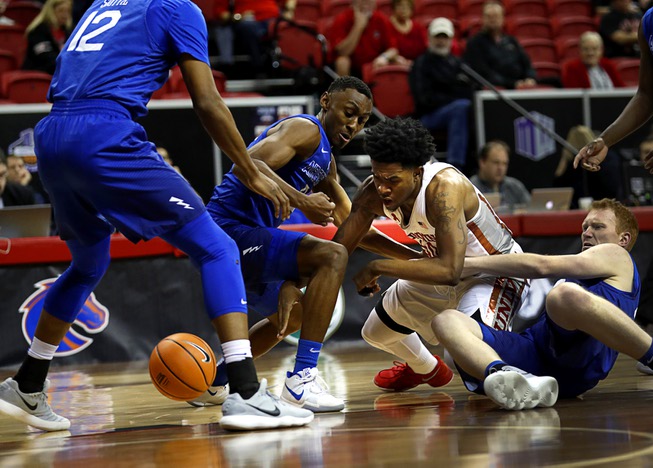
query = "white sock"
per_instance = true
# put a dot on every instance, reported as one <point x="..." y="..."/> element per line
<point x="236" y="350"/>
<point x="417" y="356"/>
<point x="406" y="347"/>
<point x="41" y="350"/>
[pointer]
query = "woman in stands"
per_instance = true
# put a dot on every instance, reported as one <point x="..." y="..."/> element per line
<point x="46" y="35"/>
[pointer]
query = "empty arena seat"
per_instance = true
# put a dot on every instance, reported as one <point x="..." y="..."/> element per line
<point x="526" y="8"/>
<point x="528" y="26"/>
<point x="24" y="86"/>
<point x="436" y="8"/>
<point x="391" y="89"/>
<point x="571" y="26"/>
<point x="23" y="12"/>
<point x="539" y="50"/>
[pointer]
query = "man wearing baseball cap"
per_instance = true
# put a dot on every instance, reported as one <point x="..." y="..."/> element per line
<point x="442" y="92"/>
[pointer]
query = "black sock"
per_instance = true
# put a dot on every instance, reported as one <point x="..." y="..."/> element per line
<point x="31" y="375"/>
<point x="242" y="378"/>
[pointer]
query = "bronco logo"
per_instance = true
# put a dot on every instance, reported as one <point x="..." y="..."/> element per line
<point x="93" y="318"/>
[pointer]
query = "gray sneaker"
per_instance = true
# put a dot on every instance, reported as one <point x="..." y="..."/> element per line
<point x="514" y="389"/>
<point x="213" y="396"/>
<point x="31" y="408"/>
<point x="261" y="411"/>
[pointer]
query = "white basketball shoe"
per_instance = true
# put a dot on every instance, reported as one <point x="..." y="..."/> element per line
<point x="307" y="389"/>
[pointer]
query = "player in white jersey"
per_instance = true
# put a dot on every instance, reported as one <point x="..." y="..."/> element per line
<point x="439" y="207"/>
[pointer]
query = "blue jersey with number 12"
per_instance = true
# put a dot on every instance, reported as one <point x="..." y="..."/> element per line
<point x="122" y="50"/>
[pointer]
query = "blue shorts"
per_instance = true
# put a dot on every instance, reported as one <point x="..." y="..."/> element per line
<point x="101" y="172"/>
<point x="576" y="360"/>
<point x="268" y="258"/>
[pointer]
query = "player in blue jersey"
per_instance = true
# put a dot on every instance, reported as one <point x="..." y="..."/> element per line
<point x="588" y="319"/>
<point x="637" y="112"/>
<point x="101" y="172"/>
<point x="296" y="153"/>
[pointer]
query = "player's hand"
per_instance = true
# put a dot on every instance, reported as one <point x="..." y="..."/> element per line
<point x="266" y="187"/>
<point x="591" y="155"/>
<point x="366" y="281"/>
<point x="648" y="162"/>
<point x="318" y="208"/>
<point x="289" y="296"/>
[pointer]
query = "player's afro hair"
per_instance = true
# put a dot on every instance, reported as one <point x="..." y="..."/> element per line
<point x="402" y="140"/>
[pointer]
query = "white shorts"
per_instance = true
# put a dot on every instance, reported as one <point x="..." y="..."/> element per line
<point x="414" y="305"/>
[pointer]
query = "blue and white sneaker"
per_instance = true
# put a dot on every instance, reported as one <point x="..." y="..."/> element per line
<point x="215" y="395"/>
<point x="307" y="389"/>
<point x="261" y="411"/>
<point x="515" y="389"/>
<point x="30" y="408"/>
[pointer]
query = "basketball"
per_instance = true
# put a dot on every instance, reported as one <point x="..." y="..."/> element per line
<point x="182" y="366"/>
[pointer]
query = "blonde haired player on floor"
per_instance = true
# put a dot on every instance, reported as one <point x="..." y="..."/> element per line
<point x="438" y="206"/>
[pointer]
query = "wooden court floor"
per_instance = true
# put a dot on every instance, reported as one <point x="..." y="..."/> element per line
<point x="119" y="419"/>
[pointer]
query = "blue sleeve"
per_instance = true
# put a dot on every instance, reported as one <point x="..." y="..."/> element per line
<point x="188" y="34"/>
<point x="646" y="26"/>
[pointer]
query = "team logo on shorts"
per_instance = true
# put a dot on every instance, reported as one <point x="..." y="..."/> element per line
<point x="93" y="318"/>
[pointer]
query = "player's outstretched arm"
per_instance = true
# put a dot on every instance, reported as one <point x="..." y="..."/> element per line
<point x="635" y="114"/>
<point x="601" y="261"/>
<point x="219" y="123"/>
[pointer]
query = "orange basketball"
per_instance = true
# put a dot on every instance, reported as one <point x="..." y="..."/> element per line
<point x="182" y="366"/>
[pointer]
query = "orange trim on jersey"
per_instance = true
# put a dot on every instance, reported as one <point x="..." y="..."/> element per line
<point x="489" y="248"/>
<point x="494" y="213"/>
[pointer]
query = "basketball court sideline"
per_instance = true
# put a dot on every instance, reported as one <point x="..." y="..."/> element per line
<point x="119" y="419"/>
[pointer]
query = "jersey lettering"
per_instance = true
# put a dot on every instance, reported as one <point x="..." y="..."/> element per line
<point x="80" y="41"/>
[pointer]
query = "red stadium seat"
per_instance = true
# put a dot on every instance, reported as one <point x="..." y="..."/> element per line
<point x="308" y="10"/>
<point x="208" y="9"/>
<point x="391" y="90"/>
<point x="539" y="50"/>
<point x="175" y="87"/>
<point x="13" y="38"/>
<point x="471" y="7"/>
<point x="528" y="26"/>
<point x="297" y="44"/>
<point x="437" y="8"/>
<point x="566" y="48"/>
<point x="23" y="86"/>
<point x="562" y="8"/>
<point x="7" y="61"/>
<point x="571" y="26"/>
<point x="333" y="7"/>
<point x="547" y="69"/>
<point x="469" y="26"/>
<point x="526" y="8"/>
<point x="23" y="11"/>
<point x="629" y="70"/>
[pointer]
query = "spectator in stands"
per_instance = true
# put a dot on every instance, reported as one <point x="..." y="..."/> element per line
<point x="442" y="92"/>
<point x="246" y="22"/>
<point x="619" y="29"/>
<point x="166" y="157"/>
<point x="19" y="174"/>
<point x="361" y="35"/>
<point x="4" y="21"/>
<point x="12" y="193"/>
<point x="591" y="69"/>
<point x="46" y="35"/>
<point x="410" y="35"/>
<point x="493" y="159"/>
<point x="498" y="57"/>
